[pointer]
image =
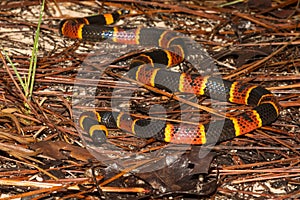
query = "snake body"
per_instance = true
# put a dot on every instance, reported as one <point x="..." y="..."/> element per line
<point x="143" y="69"/>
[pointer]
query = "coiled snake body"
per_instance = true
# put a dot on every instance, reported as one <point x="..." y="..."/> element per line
<point x="173" y="51"/>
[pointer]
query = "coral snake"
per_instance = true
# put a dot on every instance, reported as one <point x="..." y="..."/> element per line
<point x="265" y="106"/>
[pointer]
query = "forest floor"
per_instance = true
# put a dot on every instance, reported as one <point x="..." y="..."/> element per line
<point x="43" y="154"/>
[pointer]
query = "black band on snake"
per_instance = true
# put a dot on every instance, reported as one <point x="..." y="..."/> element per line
<point x="266" y="108"/>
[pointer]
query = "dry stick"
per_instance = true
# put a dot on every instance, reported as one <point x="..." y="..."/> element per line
<point x="30" y="165"/>
<point x="29" y="24"/>
<point x="12" y="77"/>
<point x="290" y="195"/>
<point x="263" y="78"/>
<point x="47" y="187"/>
<point x="279" y="141"/>
<point x="266" y="177"/>
<point x="222" y="147"/>
<point x="246" y="171"/>
<point x="19" y="152"/>
<point x="291" y="86"/>
<point x="290" y="104"/>
<point x="255" y="65"/>
<point x="17" y="86"/>
<point x="244" y="166"/>
<point x="21" y="4"/>
<point x="30" y="193"/>
<point x="125" y="171"/>
<point x="268" y="44"/>
<point x="274" y="130"/>
<point x="167" y="94"/>
<point x="175" y="7"/>
<point x="286" y="3"/>
<point x="28" y="103"/>
<point x="27" y="118"/>
<point x="19" y="139"/>
<point x="255" y="20"/>
<point x="244" y="193"/>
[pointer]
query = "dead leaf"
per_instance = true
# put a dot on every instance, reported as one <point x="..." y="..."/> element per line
<point x="55" y="150"/>
<point x="182" y="175"/>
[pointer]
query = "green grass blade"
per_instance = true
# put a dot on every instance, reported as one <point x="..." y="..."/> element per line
<point x="14" y="68"/>
<point x="33" y="60"/>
